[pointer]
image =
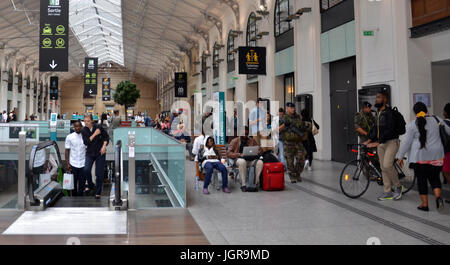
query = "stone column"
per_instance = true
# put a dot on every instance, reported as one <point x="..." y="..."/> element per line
<point x="4" y="90"/>
<point x="15" y="92"/>
<point x="23" y="101"/>
<point x="31" y="99"/>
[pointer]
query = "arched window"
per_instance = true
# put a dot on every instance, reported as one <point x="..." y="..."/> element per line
<point x="283" y="9"/>
<point x="252" y="31"/>
<point x="231" y="63"/>
<point x="203" y="68"/>
<point x="19" y="83"/>
<point x="215" y="61"/>
<point x="35" y="88"/>
<point x="10" y="79"/>
<point x="28" y="84"/>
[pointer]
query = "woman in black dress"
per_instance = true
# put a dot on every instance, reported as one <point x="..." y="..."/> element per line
<point x="310" y="144"/>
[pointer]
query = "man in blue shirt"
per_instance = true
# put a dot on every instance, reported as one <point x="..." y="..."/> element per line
<point x="257" y="118"/>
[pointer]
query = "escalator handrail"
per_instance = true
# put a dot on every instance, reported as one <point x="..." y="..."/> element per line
<point x="41" y="146"/>
<point x="117" y="173"/>
<point x="30" y="175"/>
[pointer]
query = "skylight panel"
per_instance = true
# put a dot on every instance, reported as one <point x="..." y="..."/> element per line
<point x="97" y="24"/>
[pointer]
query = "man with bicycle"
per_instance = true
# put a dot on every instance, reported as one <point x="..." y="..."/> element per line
<point x="384" y="136"/>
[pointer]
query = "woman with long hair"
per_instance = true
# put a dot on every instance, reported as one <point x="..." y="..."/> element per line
<point x="423" y="144"/>
<point x="95" y="138"/>
<point x="104" y="121"/>
<point x="310" y="143"/>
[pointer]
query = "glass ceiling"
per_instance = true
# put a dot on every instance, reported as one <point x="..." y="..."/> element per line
<point x="98" y="26"/>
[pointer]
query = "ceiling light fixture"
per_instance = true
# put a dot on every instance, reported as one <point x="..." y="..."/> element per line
<point x="262" y="5"/>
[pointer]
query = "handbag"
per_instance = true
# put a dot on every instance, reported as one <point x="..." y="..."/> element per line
<point x="44" y="179"/>
<point x="445" y="138"/>
<point x="314" y="130"/>
<point x="68" y="181"/>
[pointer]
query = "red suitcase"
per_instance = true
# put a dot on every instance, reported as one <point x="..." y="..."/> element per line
<point x="273" y="176"/>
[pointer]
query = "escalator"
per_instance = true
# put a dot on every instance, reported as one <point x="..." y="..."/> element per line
<point x="44" y="182"/>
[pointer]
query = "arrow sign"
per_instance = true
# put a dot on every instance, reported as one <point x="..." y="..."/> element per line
<point x="53" y="65"/>
<point x="90" y="91"/>
<point x="53" y="35"/>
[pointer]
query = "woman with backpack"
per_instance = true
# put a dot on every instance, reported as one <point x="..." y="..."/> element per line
<point x="103" y="122"/>
<point x="423" y="144"/>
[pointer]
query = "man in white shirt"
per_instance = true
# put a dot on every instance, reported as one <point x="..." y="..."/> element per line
<point x="75" y="157"/>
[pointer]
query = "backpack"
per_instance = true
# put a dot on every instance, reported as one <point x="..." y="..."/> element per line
<point x="399" y="121"/>
<point x="268" y="157"/>
<point x="445" y="138"/>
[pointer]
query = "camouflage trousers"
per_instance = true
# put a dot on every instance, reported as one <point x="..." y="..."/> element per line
<point x="295" y="154"/>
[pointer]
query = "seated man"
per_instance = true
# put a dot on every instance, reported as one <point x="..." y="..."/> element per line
<point x="235" y="151"/>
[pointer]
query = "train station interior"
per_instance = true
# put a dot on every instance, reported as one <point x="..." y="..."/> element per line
<point x="134" y="68"/>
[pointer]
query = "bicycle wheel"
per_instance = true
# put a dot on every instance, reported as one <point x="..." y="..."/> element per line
<point x="406" y="177"/>
<point x="353" y="181"/>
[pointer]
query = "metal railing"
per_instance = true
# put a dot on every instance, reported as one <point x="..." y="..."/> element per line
<point x="118" y="175"/>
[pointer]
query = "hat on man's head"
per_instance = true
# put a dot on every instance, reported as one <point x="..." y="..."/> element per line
<point x="367" y="104"/>
<point x="290" y="105"/>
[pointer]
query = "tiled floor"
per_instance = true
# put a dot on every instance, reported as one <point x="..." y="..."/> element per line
<point x="155" y="227"/>
<point x="314" y="212"/>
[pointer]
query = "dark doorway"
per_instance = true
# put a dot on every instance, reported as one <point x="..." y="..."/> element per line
<point x="343" y="108"/>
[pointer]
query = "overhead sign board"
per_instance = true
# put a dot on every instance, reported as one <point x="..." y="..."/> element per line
<point x="106" y="89"/>
<point x="90" y="77"/>
<point x="369" y="33"/>
<point x="53" y="36"/>
<point x="252" y="60"/>
<point x="181" y="85"/>
<point x="54" y="88"/>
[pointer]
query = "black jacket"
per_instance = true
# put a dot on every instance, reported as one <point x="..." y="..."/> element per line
<point x="384" y="127"/>
<point x="93" y="148"/>
<point x="310" y="144"/>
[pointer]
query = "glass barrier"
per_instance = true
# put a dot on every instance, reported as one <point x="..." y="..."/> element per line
<point x="8" y="182"/>
<point x="41" y="133"/>
<point x="170" y="164"/>
<point x="159" y="167"/>
<point x="144" y="136"/>
<point x="9" y="172"/>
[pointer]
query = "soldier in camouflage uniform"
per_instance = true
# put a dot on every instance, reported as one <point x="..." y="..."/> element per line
<point x="294" y="132"/>
<point x="364" y="121"/>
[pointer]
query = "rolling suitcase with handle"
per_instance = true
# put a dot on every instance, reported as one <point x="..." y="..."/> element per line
<point x="273" y="177"/>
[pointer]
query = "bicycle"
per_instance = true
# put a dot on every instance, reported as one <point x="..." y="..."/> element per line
<point x="356" y="175"/>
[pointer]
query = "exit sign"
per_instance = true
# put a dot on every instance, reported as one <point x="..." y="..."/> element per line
<point x="369" y="33"/>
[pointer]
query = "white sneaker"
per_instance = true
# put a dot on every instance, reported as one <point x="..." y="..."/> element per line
<point x="306" y="165"/>
<point x="309" y="168"/>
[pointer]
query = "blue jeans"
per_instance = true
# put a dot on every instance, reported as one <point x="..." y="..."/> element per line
<point x="209" y="169"/>
<point x="99" y="172"/>
<point x="78" y="180"/>
<point x="281" y="153"/>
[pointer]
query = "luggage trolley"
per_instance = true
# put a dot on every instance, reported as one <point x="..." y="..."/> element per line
<point x="44" y="165"/>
